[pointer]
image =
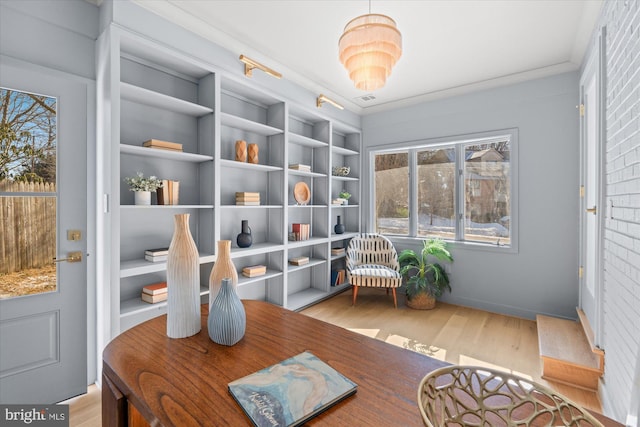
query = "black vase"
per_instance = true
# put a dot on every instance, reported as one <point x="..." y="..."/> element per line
<point x="339" y="227"/>
<point x="244" y="239"/>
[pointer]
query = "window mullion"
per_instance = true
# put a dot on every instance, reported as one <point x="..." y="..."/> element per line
<point x="413" y="192"/>
<point x="459" y="184"/>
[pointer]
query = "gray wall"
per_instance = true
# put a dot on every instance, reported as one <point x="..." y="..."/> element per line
<point x="542" y="276"/>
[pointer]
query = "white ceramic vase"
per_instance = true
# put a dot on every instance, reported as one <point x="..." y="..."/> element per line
<point x="183" y="282"/>
<point x="142" y="198"/>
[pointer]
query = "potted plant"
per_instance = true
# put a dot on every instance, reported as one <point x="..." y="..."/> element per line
<point x="425" y="280"/>
<point x="143" y="187"/>
<point x="344" y="196"/>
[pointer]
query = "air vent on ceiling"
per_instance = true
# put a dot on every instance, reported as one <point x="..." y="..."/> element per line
<point x="366" y="98"/>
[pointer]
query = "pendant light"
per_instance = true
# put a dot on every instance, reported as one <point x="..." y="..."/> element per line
<point x="369" y="48"/>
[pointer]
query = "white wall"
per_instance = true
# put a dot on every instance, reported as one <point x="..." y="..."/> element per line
<point x="542" y="276"/>
<point x="621" y="303"/>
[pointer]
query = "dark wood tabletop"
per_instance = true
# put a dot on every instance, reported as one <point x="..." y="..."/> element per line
<point x="150" y="379"/>
<point x="183" y="382"/>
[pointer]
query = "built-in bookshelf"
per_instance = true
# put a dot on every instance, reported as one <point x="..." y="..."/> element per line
<point x="159" y="93"/>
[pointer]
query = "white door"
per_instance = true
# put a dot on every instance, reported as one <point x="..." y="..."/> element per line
<point x="591" y="205"/>
<point x="43" y="304"/>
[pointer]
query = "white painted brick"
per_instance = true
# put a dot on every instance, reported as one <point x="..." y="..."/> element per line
<point x="621" y="299"/>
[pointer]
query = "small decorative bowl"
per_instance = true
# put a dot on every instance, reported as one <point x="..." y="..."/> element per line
<point x="341" y="170"/>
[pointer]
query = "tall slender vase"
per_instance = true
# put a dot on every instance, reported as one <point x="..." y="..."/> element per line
<point x="183" y="282"/>
<point x="227" y="319"/>
<point x="222" y="268"/>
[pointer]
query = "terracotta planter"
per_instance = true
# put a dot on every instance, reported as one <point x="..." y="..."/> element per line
<point x="422" y="301"/>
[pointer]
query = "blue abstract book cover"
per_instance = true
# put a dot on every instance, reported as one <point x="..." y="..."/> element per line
<point x="291" y="392"/>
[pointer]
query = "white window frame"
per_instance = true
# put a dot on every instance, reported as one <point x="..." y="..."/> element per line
<point x="458" y="141"/>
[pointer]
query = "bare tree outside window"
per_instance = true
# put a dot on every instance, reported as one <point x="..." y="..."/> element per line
<point x="28" y="141"/>
<point x="487" y="193"/>
<point x="436" y="193"/>
<point x="392" y="193"/>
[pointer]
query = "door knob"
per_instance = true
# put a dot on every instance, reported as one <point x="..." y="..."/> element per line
<point x="71" y="257"/>
<point x="592" y="210"/>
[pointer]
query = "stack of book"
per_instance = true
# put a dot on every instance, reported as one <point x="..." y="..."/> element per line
<point x="300" y="167"/>
<point x="168" y="193"/>
<point x="254" y="270"/>
<point x="154" y="293"/>
<point x="162" y="145"/>
<point x="301" y="231"/>
<point x="245" y="198"/>
<point x="337" y="277"/>
<point x="337" y="251"/>
<point x="299" y="260"/>
<point x="156" y="255"/>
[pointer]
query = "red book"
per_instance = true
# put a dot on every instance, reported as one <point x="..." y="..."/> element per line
<point x="155" y="288"/>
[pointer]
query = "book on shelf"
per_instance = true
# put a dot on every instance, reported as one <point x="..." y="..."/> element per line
<point x="247" y="198"/>
<point x="254" y="271"/>
<point x="338" y="277"/>
<point x="155" y="288"/>
<point x="337" y="251"/>
<point x="156" y="143"/>
<point x="299" y="260"/>
<point x="157" y="251"/>
<point x="247" y="203"/>
<point x="247" y="194"/>
<point x="301" y="231"/>
<point x="300" y="167"/>
<point x="169" y="192"/>
<point x="152" y="299"/>
<point x="291" y="392"/>
<point x="156" y="258"/>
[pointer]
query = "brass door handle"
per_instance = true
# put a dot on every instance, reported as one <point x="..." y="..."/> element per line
<point x="592" y="210"/>
<point x="71" y="257"/>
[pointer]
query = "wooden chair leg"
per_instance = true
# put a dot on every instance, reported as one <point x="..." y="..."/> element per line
<point x="395" y="301"/>
<point x="355" y="294"/>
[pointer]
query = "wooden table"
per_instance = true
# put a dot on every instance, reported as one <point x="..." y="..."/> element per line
<point x="183" y="382"/>
<point x="150" y="379"/>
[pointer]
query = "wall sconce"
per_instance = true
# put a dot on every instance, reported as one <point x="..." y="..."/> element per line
<point x="250" y="64"/>
<point x="323" y="98"/>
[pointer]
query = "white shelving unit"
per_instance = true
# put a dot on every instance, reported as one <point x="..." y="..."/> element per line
<point x="159" y="93"/>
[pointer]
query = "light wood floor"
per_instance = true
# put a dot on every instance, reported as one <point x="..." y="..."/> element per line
<point x="458" y="335"/>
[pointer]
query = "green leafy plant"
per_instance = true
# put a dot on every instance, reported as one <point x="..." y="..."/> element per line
<point x="344" y="194"/>
<point x="140" y="183"/>
<point x="423" y="276"/>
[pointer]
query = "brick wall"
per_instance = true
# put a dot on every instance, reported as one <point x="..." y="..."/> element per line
<point x="621" y="302"/>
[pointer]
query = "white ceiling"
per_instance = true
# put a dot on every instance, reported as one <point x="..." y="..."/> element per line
<point x="449" y="46"/>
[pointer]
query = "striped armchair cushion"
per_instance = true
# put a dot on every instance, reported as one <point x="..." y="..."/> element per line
<point x="373" y="261"/>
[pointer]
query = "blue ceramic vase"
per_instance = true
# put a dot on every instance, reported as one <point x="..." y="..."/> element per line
<point x="227" y="319"/>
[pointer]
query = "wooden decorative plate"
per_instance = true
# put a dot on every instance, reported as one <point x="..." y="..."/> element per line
<point x="301" y="193"/>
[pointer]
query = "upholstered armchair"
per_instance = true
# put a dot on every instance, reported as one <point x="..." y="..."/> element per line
<point x="372" y="261"/>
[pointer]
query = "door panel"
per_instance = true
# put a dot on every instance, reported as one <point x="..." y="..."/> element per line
<point x="591" y="203"/>
<point x="43" y="334"/>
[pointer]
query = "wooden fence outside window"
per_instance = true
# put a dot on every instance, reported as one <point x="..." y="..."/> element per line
<point x="27" y="225"/>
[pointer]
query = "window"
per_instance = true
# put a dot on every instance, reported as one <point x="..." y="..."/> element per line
<point x="459" y="189"/>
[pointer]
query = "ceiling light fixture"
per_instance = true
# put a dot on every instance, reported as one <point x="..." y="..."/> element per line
<point x="369" y="48"/>
<point x="250" y="64"/>
<point x="323" y="98"/>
